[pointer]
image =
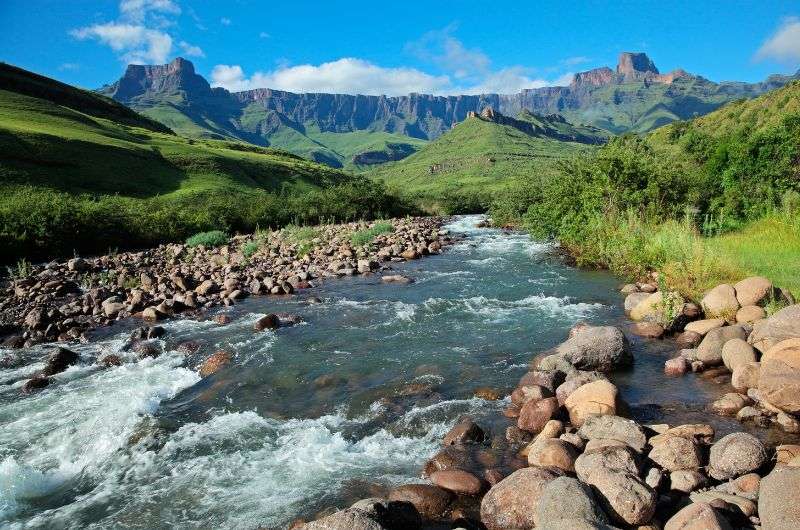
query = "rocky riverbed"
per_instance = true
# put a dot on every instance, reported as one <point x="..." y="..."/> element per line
<point x="62" y="301"/>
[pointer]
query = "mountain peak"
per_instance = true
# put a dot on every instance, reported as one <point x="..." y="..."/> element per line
<point x="139" y="80"/>
<point x="632" y="63"/>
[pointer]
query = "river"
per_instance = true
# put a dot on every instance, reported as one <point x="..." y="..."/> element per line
<point x="343" y="406"/>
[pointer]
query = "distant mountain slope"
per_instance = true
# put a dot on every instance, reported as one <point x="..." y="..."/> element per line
<point x="78" y="170"/>
<point x="484" y="154"/>
<point x="634" y="97"/>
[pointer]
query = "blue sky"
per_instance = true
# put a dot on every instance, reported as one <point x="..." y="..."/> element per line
<point x="398" y="47"/>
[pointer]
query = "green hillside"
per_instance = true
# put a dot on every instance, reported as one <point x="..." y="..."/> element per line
<point x="81" y="172"/>
<point x="708" y="200"/>
<point x="465" y="167"/>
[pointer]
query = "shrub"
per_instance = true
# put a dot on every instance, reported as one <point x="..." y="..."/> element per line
<point x="364" y="237"/>
<point x="214" y="238"/>
<point x="249" y="249"/>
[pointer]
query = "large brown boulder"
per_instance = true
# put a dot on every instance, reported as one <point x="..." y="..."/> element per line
<point x="602" y="348"/>
<point x="710" y="350"/>
<point x="736" y="352"/>
<point x="430" y="501"/>
<point x="746" y="376"/>
<point x="553" y="453"/>
<point x="721" y="302"/>
<point x="777" y="499"/>
<point x="597" y="398"/>
<point x="458" y="481"/>
<point x="535" y="414"/>
<point x="676" y="453"/>
<point x="785" y="324"/>
<point x="697" y="516"/>
<point x="59" y="360"/>
<point x="511" y="503"/>
<point x="779" y="384"/>
<point x="466" y="431"/>
<point x="755" y="290"/>
<point x="625" y="496"/>
<point x="736" y="454"/>
<point x="619" y="458"/>
<point x="566" y="498"/>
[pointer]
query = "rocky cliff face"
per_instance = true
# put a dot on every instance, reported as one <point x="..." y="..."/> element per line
<point x="587" y="100"/>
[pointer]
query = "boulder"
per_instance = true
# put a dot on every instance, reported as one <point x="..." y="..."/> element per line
<point x="458" y="481"/>
<point x="746" y="376"/>
<point x="686" y="480"/>
<point x="777" y="500"/>
<point x="215" y="363"/>
<point x="649" y="330"/>
<point x="511" y="503"/>
<point x="676" y="366"/>
<point x="565" y="498"/>
<point x="730" y="403"/>
<point x="750" y="313"/>
<point x="573" y="383"/>
<point x="736" y="352"/>
<point x="755" y="290"/>
<point x="779" y="384"/>
<point x="704" y="326"/>
<point x="625" y="497"/>
<point x="466" y="431"/>
<point x="603" y="348"/>
<point x="699" y="432"/>
<point x="688" y="339"/>
<point x="396" y="278"/>
<point x="549" y="379"/>
<point x="269" y="321"/>
<point x="721" y="302"/>
<point x="597" y="398"/>
<point x="677" y="453"/>
<point x="736" y="454"/>
<point x="59" y="360"/>
<point x="618" y="458"/>
<point x="746" y="506"/>
<point x="552" y="453"/>
<point x="784" y="324"/>
<point x="535" y="414"/>
<point x="523" y="394"/>
<point x="394" y="515"/>
<point x="698" y="516"/>
<point x="206" y="287"/>
<point x="614" y="428"/>
<point x="350" y="519"/>
<point x="787" y="423"/>
<point x="430" y="501"/>
<point x="658" y="307"/>
<point x="786" y="452"/>
<point x="634" y="299"/>
<point x="710" y="350"/>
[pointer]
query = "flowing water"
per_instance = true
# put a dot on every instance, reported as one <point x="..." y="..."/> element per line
<point x="343" y="406"/>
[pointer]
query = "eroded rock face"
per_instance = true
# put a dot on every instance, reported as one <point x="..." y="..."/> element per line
<point x="777" y="500"/>
<point x="602" y="348"/>
<point x="511" y="504"/>
<point x="736" y="454"/>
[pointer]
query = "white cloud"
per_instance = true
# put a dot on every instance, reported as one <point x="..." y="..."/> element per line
<point x="348" y="76"/>
<point x="225" y="21"/>
<point x="137" y="43"/>
<point x="264" y="35"/>
<point x="784" y="44"/>
<point x="505" y="81"/>
<point x="137" y="10"/>
<point x="441" y="48"/>
<point x="190" y="50"/>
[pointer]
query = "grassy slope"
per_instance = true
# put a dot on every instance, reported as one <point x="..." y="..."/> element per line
<point x="476" y="156"/>
<point x="65" y="173"/>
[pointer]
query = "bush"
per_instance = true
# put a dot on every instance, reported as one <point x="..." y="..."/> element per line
<point x="214" y="238"/>
<point x="249" y="249"/>
<point x="364" y="237"/>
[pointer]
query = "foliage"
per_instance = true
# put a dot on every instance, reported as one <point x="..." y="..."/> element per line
<point x="364" y="237"/>
<point x="249" y="249"/>
<point x="213" y="238"/>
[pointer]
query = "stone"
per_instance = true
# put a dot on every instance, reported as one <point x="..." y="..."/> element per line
<point x="779" y="381"/>
<point x="59" y="360"/>
<point x="753" y="291"/>
<point x="721" y="302"/>
<point x="430" y="501"/>
<point x="676" y="366"/>
<point x="650" y="330"/>
<point x="784" y="324"/>
<point x="699" y="432"/>
<point x="523" y="394"/>
<point x="786" y="452"/>
<point x="736" y="352"/>
<point x="466" y="431"/>
<point x="451" y="457"/>
<point x="458" y="481"/>
<point x="625" y="497"/>
<point x="750" y="313"/>
<point x="206" y="287"/>
<point x="736" y="454"/>
<point x="730" y="404"/>
<point x="394" y="515"/>
<point x="565" y="498"/>
<point x="511" y="504"/>
<point x="686" y="480"/>
<point x="697" y="516"/>
<point x="215" y="363"/>
<point x="269" y="321"/>
<point x="350" y="519"/>
<point x="549" y="379"/>
<point x="746" y="506"/>
<point x="151" y="314"/>
<point x="788" y="423"/>
<point x="78" y="265"/>
<point x="746" y="376"/>
<point x="110" y="360"/>
<point x="486" y="393"/>
<point x="37" y="382"/>
<point x="749" y="413"/>
<point x="396" y="278"/>
<point x="629" y="288"/>
<point x="552" y="453"/>
<point x="746" y="486"/>
<point x="618" y="458"/>
<point x="677" y="453"/>
<point x="568" y="387"/>
<point x="634" y="299"/>
<point x="614" y="428"/>
<point x="654" y="477"/>
<point x="704" y="326"/>
<point x="710" y="350"/>
<point x="689" y="339"/>
<point x="657" y="307"/>
<point x="597" y="398"/>
<point x="777" y="500"/>
<point x="535" y="414"/>
<point x="602" y="348"/>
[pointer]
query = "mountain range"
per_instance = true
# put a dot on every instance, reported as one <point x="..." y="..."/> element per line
<point x="359" y="130"/>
